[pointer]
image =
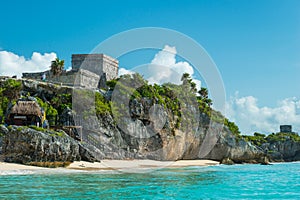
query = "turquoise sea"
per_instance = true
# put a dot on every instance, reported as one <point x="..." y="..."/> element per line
<point x="277" y="181"/>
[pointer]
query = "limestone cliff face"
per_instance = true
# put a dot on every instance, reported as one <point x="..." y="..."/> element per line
<point x="279" y="151"/>
<point x="237" y="150"/>
<point x="215" y="142"/>
<point x="25" y="145"/>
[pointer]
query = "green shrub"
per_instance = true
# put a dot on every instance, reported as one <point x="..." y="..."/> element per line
<point x="258" y="138"/>
<point x="232" y="127"/>
<point x="101" y="105"/>
<point x="282" y="137"/>
<point x="61" y="101"/>
<point x="51" y="112"/>
<point x="59" y="134"/>
<point x="37" y="128"/>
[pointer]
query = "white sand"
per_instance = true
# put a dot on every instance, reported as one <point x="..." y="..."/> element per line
<point x="120" y="165"/>
<point x="12" y="166"/>
<point x="133" y="165"/>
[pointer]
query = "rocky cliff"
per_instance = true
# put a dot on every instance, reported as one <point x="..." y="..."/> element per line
<point x="282" y="151"/>
<point x="278" y="147"/>
<point x="209" y="140"/>
<point x="134" y="136"/>
<point x="25" y="145"/>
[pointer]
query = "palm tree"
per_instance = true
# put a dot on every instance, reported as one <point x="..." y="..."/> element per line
<point x="57" y="66"/>
<point x="187" y="82"/>
<point x="203" y="96"/>
<point x="203" y="93"/>
<point x="185" y="77"/>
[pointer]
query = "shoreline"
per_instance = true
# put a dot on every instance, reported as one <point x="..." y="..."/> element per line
<point x="132" y="165"/>
<point x="106" y="165"/>
<point x="110" y="166"/>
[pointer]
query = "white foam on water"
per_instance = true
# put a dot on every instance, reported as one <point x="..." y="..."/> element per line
<point x="16" y="172"/>
<point x="51" y="171"/>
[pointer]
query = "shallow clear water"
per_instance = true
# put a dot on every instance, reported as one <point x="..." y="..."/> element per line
<point x="278" y="181"/>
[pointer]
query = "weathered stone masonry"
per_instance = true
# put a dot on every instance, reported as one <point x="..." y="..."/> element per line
<point x="87" y="71"/>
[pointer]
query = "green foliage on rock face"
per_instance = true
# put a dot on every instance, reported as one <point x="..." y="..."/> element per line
<point x="9" y="92"/>
<point x="62" y="101"/>
<point x="40" y="129"/>
<point x="51" y="112"/>
<point x="232" y="127"/>
<point x="3" y="106"/>
<point x="112" y="83"/>
<point x="258" y="138"/>
<point x="12" y="88"/>
<point x="177" y="100"/>
<point x="37" y="128"/>
<point x="283" y="136"/>
<point x="203" y="100"/>
<point x="101" y="105"/>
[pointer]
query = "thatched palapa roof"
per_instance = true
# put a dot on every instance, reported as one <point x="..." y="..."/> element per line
<point x="26" y="108"/>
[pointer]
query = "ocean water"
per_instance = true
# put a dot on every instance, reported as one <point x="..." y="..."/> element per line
<point x="277" y="181"/>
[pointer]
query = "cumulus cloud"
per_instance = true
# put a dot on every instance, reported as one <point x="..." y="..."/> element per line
<point x="13" y="64"/>
<point x="252" y="118"/>
<point x="164" y="68"/>
<point x="69" y="68"/>
<point x="123" y="71"/>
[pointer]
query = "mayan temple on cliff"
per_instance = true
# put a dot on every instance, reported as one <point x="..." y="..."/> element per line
<point x="88" y="70"/>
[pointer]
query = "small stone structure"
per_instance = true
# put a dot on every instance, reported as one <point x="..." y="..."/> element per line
<point x="88" y="70"/>
<point x="286" y="128"/>
<point x="96" y="63"/>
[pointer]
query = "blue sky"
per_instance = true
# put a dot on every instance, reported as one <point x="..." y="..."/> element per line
<point x="255" y="44"/>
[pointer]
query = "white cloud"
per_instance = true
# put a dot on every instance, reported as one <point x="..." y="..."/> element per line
<point x="12" y="64"/>
<point x="69" y="68"/>
<point x="250" y="117"/>
<point x="165" y="57"/>
<point x="164" y="68"/>
<point x="123" y="71"/>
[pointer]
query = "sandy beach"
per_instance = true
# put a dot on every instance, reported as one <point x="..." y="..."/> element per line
<point x="132" y="165"/>
<point x="120" y="165"/>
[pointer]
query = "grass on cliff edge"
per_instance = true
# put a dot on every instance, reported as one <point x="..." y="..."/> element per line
<point x="40" y="129"/>
<point x="258" y="138"/>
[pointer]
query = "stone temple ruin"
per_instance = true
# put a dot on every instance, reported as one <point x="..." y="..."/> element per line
<point x="286" y="128"/>
<point x="88" y="70"/>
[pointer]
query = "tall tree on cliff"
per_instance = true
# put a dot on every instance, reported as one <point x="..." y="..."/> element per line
<point x="57" y="67"/>
<point x="203" y="96"/>
<point x="188" y="83"/>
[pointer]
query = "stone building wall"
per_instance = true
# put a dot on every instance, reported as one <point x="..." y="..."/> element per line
<point x="87" y="69"/>
<point x="110" y="67"/>
<point x="67" y="78"/>
<point x="96" y="63"/>
<point x="37" y="75"/>
<point x="82" y="78"/>
<point x="86" y="79"/>
<point x="286" y="128"/>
